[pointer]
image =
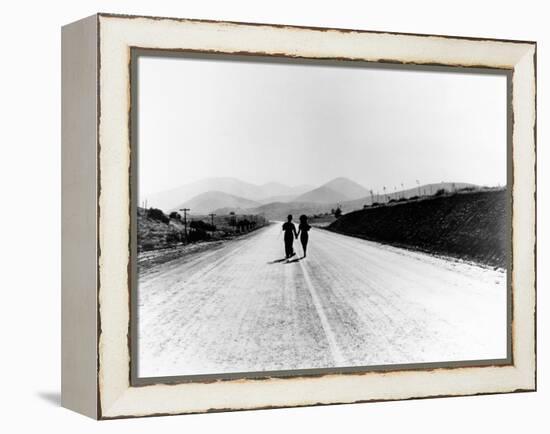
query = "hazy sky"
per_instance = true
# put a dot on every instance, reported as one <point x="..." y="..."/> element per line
<point x="304" y="124"/>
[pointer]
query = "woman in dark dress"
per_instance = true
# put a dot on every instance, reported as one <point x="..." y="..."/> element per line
<point x="290" y="233"/>
<point x="303" y="229"/>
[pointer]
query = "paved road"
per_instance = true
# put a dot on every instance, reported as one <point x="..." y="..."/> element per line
<point x="351" y="302"/>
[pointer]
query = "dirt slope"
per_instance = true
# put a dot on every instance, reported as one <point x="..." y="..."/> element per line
<point x="469" y="226"/>
<point x="153" y="234"/>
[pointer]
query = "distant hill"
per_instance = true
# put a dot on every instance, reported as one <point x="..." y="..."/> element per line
<point x="210" y="201"/>
<point x="272" y="199"/>
<point x="347" y="187"/>
<point x="169" y="199"/>
<point x="338" y="190"/>
<point x="278" y="210"/>
<point x="322" y="195"/>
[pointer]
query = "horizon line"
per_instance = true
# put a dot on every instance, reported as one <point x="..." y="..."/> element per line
<point x="315" y="186"/>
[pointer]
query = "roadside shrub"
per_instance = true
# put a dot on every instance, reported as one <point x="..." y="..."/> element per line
<point x="198" y="235"/>
<point x="147" y="245"/>
<point x="199" y="224"/>
<point x="232" y="220"/>
<point x="440" y="192"/>
<point x="175" y="215"/>
<point x="173" y="237"/>
<point x="157" y="214"/>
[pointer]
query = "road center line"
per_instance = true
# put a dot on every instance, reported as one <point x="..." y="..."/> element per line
<point x="334" y="349"/>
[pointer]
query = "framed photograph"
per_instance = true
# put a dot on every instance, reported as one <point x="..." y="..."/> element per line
<point x="261" y="216"/>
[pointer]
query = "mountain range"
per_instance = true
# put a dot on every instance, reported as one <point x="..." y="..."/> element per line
<point x="237" y="196"/>
<point x="275" y="200"/>
<point x="205" y="203"/>
<point x="170" y="199"/>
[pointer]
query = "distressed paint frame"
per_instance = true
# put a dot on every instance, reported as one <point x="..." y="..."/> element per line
<point x="115" y="396"/>
<point x="135" y="54"/>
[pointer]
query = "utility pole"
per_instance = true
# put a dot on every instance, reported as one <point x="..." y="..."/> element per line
<point x="185" y="210"/>
<point x="212" y="215"/>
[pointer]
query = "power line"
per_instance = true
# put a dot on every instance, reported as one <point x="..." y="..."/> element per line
<point x="185" y="210"/>
<point x="212" y="215"/>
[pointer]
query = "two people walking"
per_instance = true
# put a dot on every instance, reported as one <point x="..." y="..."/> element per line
<point x="290" y="235"/>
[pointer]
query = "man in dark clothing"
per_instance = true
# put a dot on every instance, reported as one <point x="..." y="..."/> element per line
<point x="290" y="234"/>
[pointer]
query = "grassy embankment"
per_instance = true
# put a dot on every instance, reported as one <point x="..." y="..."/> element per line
<point x="161" y="238"/>
<point x="467" y="225"/>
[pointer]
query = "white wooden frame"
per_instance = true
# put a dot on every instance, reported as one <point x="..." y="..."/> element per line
<point x="96" y="215"/>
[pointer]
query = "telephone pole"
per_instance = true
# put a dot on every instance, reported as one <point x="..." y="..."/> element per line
<point x="212" y="215"/>
<point x="185" y="210"/>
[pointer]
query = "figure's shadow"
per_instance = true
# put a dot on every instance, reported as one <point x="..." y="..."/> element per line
<point x="285" y="261"/>
<point x="277" y="261"/>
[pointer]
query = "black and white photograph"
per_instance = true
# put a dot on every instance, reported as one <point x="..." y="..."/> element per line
<point x="301" y="215"/>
